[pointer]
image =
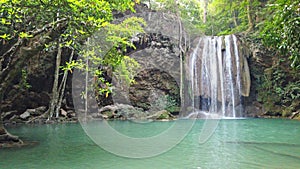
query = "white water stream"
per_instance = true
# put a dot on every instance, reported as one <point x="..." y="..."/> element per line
<point x="215" y="72"/>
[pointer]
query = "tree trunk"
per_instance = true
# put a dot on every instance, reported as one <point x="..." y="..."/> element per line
<point x="6" y="137"/>
<point x="249" y="14"/>
<point x="205" y="11"/>
<point x="235" y="18"/>
<point x="234" y="15"/>
<point x="1" y="121"/>
<point x="55" y="95"/>
<point x="62" y="86"/>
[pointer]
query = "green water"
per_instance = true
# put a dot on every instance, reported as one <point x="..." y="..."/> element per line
<point x="246" y="143"/>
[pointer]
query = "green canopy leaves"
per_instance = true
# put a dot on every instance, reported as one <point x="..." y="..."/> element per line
<point x="282" y="29"/>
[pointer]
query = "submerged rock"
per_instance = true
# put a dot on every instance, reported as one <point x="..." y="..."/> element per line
<point x="9" y="140"/>
<point x="161" y="115"/>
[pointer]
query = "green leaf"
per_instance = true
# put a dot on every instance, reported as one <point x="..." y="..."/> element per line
<point x="81" y="32"/>
<point x="25" y="35"/>
<point x="5" y="36"/>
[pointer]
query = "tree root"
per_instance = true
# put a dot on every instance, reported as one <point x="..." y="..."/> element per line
<point x="42" y="116"/>
<point x="9" y="140"/>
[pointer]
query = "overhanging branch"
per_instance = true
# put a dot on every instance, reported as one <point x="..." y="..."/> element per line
<point x="20" y="41"/>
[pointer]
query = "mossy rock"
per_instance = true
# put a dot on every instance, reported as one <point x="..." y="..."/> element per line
<point x="108" y="114"/>
<point x="163" y="116"/>
<point x="174" y="110"/>
<point x="287" y="112"/>
<point x="273" y="110"/>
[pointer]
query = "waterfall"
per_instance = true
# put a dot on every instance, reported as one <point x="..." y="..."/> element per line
<point x="219" y="77"/>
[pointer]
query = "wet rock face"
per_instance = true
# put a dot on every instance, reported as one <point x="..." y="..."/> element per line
<point x="158" y="54"/>
<point x="32" y="85"/>
<point x="159" y="73"/>
<point x="22" y="100"/>
<point x="152" y="85"/>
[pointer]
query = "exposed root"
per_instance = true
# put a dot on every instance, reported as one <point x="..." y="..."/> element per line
<point x="9" y="140"/>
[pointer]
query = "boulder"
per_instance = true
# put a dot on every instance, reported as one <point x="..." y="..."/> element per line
<point x="295" y="115"/>
<point x="25" y="115"/>
<point x="63" y="113"/>
<point x="71" y="113"/>
<point x="161" y="115"/>
<point x="33" y="112"/>
<point x="120" y="111"/>
<point x="40" y="110"/>
<point x="8" y="115"/>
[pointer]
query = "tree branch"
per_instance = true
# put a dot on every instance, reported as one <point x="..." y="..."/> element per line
<point x="12" y="51"/>
<point x="34" y="33"/>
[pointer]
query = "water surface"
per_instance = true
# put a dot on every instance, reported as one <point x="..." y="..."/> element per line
<point x="244" y="143"/>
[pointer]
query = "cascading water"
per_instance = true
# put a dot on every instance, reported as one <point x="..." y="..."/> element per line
<point x="219" y="77"/>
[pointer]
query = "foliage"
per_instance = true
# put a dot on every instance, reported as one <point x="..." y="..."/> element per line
<point x="163" y="116"/>
<point x="83" y="18"/>
<point x="222" y="16"/>
<point x="126" y="71"/>
<point x="279" y="86"/>
<point x="189" y="12"/>
<point x="24" y="83"/>
<point x="118" y="36"/>
<point x="230" y="16"/>
<point x="279" y="89"/>
<point x="106" y="48"/>
<point x="165" y="102"/>
<point x="282" y="31"/>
